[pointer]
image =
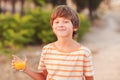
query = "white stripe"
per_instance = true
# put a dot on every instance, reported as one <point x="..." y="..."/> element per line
<point x="62" y="78"/>
<point x="66" y="57"/>
<point x="72" y="74"/>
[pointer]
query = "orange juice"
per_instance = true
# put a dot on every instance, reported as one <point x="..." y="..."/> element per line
<point x="19" y="65"/>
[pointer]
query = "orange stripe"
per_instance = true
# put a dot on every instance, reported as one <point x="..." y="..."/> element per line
<point x="66" y="60"/>
<point x="87" y="61"/>
<point x="65" y="54"/>
<point x="88" y="66"/>
<point x="70" y="70"/>
<point x="79" y="76"/>
<point x="64" y="65"/>
<point x="87" y="70"/>
<point x="67" y="65"/>
<point x="50" y="79"/>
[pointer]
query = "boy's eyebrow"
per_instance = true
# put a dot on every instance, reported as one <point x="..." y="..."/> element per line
<point x="56" y="20"/>
<point x="63" y="18"/>
<point x="67" y="19"/>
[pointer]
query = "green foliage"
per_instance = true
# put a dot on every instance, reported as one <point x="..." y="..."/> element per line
<point x="15" y="30"/>
<point x="56" y="2"/>
<point x="38" y="2"/>
<point x="40" y="21"/>
<point x="7" y="52"/>
<point x="84" y="26"/>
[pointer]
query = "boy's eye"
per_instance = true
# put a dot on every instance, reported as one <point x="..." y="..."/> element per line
<point x="66" y="21"/>
<point x="56" y="21"/>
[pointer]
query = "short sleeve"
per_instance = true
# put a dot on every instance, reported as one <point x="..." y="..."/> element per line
<point x="88" y="64"/>
<point x="41" y="65"/>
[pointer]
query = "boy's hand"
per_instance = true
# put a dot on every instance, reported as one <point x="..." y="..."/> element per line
<point x="18" y="64"/>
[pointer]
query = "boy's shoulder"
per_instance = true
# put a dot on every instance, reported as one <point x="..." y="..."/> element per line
<point x="85" y="49"/>
<point x="47" y="48"/>
<point x="50" y="45"/>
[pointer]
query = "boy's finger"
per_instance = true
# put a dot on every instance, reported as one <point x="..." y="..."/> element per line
<point x="13" y="62"/>
<point x="16" y="58"/>
<point x="26" y="59"/>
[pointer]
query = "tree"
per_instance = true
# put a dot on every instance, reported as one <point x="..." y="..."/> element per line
<point x="22" y="6"/>
<point x="0" y="7"/>
<point x="39" y="2"/>
<point x="3" y="10"/>
<point x="92" y="6"/>
<point x="56" y="2"/>
<point x="13" y="6"/>
<point x="81" y="4"/>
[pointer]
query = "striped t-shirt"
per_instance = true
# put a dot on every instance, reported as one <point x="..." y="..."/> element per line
<point x="66" y="65"/>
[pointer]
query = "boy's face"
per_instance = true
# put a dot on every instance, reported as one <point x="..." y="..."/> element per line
<point x="62" y="27"/>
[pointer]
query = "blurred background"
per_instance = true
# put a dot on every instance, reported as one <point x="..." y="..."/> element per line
<point x="25" y="29"/>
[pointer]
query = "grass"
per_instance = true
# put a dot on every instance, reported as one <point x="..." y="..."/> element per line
<point x="7" y="52"/>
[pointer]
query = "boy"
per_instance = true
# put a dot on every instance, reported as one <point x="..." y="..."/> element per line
<point x="64" y="59"/>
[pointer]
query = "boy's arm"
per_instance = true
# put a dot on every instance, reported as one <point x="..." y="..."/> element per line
<point x="88" y="66"/>
<point x="36" y="75"/>
<point x="89" y="78"/>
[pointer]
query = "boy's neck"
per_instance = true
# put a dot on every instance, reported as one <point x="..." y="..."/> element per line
<point x="66" y="44"/>
<point x="64" y="41"/>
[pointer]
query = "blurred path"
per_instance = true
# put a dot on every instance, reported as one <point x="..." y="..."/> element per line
<point x="104" y="41"/>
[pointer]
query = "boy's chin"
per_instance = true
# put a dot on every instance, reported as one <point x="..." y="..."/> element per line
<point x="63" y="36"/>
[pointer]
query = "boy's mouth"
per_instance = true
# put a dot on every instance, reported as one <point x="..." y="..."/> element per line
<point x="60" y="29"/>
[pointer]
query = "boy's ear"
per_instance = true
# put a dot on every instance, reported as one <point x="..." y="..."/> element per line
<point x="75" y="29"/>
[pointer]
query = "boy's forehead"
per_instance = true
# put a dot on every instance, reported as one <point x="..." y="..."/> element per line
<point x="65" y="18"/>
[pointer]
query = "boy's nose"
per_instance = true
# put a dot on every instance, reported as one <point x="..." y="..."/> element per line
<point x="61" y="24"/>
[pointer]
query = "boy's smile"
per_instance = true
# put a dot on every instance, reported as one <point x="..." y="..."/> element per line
<point x="62" y="27"/>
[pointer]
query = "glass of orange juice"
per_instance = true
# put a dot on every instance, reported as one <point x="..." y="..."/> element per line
<point x="18" y="63"/>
